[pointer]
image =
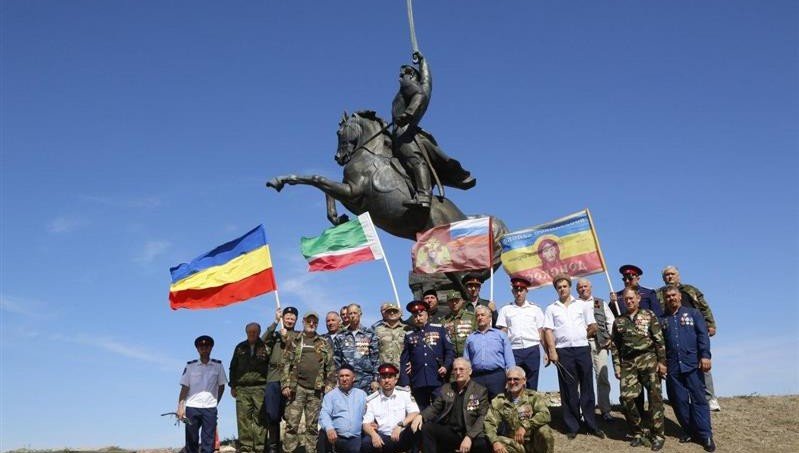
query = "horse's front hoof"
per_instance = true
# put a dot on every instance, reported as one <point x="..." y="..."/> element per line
<point x="275" y="183"/>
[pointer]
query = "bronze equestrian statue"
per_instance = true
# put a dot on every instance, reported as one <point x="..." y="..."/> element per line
<point x="377" y="163"/>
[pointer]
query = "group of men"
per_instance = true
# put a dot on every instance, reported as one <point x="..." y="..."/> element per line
<point x="462" y="377"/>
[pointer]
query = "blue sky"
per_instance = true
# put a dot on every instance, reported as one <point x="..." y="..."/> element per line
<point x="138" y="134"/>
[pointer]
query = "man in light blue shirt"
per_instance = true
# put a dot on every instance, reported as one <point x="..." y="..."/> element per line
<point x="490" y="352"/>
<point x="341" y="415"/>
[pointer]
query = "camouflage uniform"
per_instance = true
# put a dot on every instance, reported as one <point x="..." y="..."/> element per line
<point x="530" y="412"/>
<point x="638" y="346"/>
<point x="389" y="341"/>
<point x="307" y="400"/>
<point x="360" y="349"/>
<point x="459" y="326"/>
<point x="248" y="369"/>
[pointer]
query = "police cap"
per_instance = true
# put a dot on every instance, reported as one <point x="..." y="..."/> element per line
<point x="630" y="269"/>
<point x="203" y="340"/>
<point x="519" y="282"/>
<point x="417" y="306"/>
<point x="470" y="279"/>
<point x="387" y="368"/>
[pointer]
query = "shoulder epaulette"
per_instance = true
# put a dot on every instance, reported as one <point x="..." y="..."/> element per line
<point x="372" y="396"/>
<point x="191" y="361"/>
<point x="215" y="360"/>
<point x="401" y="388"/>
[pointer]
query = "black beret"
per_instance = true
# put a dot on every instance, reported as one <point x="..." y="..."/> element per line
<point x="431" y="292"/>
<point x="346" y="366"/>
<point x="291" y="310"/>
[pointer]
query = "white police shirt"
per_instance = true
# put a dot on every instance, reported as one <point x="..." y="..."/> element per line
<point x="387" y="411"/>
<point x="522" y="323"/>
<point x="203" y="381"/>
<point x="569" y="323"/>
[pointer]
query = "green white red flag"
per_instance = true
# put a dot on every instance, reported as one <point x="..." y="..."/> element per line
<point x="343" y="245"/>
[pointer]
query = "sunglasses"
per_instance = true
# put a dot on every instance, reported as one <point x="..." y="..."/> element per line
<point x="628" y="277"/>
<point x="518" y="288"/>
<point x="387" y="376"/>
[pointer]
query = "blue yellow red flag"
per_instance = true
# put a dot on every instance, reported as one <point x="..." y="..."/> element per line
<point x="233" y="272"/>
<point x="564" y="246"/>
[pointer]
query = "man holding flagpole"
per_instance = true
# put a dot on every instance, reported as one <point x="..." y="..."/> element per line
<point x="274" y="401"/>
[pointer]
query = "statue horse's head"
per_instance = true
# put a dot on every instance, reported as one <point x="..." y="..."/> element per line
<point x="361" y="130"/>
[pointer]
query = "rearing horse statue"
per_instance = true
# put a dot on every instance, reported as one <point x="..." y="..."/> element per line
<point x="375" y="181"/>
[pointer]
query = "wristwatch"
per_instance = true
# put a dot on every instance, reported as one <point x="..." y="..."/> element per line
<point x="401" y="424"/>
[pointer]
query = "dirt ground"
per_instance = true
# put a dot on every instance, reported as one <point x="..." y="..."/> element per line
<point x="763" y="424"/>
<point x="760" y="424"/>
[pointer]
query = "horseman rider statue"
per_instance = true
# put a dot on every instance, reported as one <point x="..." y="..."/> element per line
<point x="415" y="147"/>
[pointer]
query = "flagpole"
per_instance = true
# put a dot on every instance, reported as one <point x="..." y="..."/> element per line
<point x="601" y="256"/>
<point x="491" y="258"/>
<point x="385" y="260"/>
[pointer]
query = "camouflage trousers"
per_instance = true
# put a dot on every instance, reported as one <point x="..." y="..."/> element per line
<point x="542" y="441"/>
<point x="305" y="401"/>
<point x="637" y="373"/>
<point x="252" y="432"/>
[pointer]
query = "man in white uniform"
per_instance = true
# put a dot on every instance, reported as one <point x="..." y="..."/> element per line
<point x="389" y="412"/>
<point x="523" y="321"/>
<point x="201" y="387"/>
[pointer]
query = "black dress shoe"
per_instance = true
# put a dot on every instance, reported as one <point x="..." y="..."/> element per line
<point x="685" y="438"/>
<point x="598" y="433"/>
<point x="657" y="444"/>
<point x="571" y="435"/>
<point x="708" y="444"/>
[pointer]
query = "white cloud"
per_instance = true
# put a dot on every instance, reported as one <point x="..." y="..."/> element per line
<point x="65" y="224"/>
<point x="151" y="250"/>
<point x="30" y="308"/>
<point x="131" y="203"/>
<point x="127" y="350"/>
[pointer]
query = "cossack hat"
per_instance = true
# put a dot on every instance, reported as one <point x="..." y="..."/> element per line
<point x="293" y="310"/>
<point x="417" y="306"/>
